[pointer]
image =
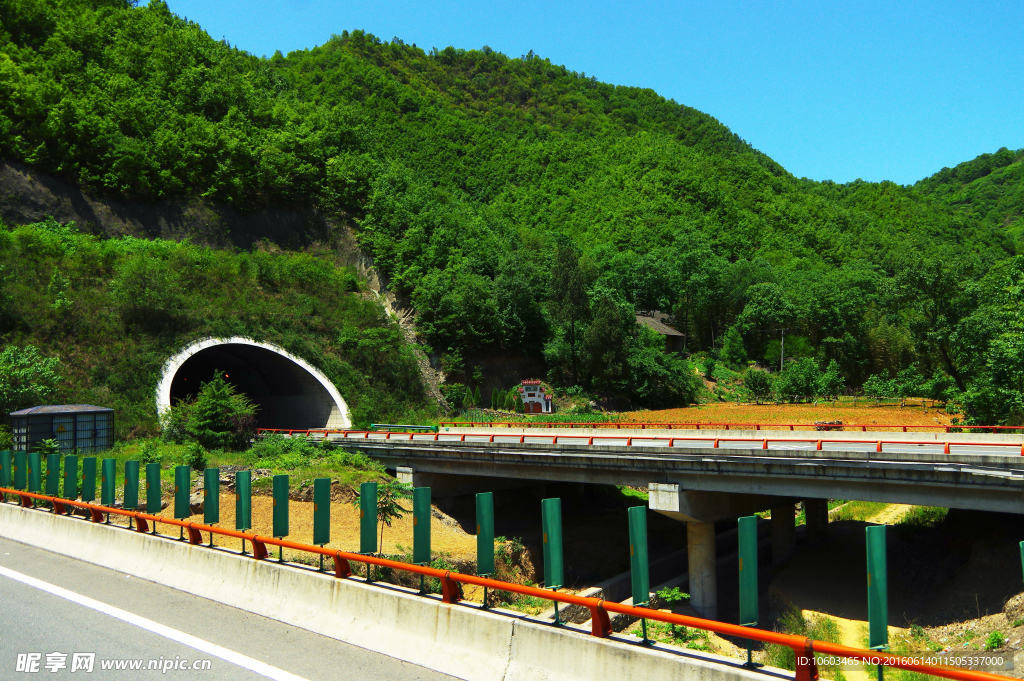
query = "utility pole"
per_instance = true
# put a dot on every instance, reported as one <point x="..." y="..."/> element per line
<point x="782" y="349"/>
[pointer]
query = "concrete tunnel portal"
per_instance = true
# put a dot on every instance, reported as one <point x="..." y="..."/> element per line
<point x="289" y="392"/>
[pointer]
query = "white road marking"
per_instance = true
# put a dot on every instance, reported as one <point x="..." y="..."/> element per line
<point x="261" y="668"/>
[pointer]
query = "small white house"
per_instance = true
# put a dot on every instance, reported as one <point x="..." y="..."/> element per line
<point x="535" y="400"/>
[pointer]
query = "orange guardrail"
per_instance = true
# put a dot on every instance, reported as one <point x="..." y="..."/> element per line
<point x="718" y="426"/>
<point x="761" y="443"/>
<point x="803" y="647"/>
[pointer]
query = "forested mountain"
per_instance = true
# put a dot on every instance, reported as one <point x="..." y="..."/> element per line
<point x="529" y="210"/>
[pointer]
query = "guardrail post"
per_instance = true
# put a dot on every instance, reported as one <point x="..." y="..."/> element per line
<point x="211" y="498"/>
<point x="108" y="480"/>
<point x="243" y="503"/>
<point x="182" y="487"/>
<point x="259" y="549"/>
<point x="35" y="474"/>
<point x="20" y="470"/>
<point x="89" y="479"/>
<point x="131" y="487"/>
<point x="551" y="520"/>
<point x="321" y="514"/>
<point x="600" y="623"/>
<point x="5" y="471"/>
<point x="153" y="492"/>
<point x="450" y="591"/>
<point x="485" y="537"/>
<point x="341" y="566"/>
<point x="52" y="475"/>
<point x="806" y="665"/>
<point x="71" y="479"/>
<point x="421" y="528"/>
<point x="280" y="512"/>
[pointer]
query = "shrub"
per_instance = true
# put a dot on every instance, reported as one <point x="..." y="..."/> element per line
<point x="149" y="452"/>
<point x="995" y="640"/>
<point x="221" y="418"/>
<point x="196" y="456"/>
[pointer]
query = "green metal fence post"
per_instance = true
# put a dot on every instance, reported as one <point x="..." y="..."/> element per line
<point x="182" y="487"/>
<point x="35" y="474"/>
<point x="211" y="498"/>
<point x="749" y="615"/>
<point x="421" y="528"/>
<point x="243" y="502"/>
<point x="52" y="475"/>
<point x="154" y="493"/>
<point x="5" y="471"/>
<point x="368" y="521"/>
<point x="108" y="481"/>
<point x="551" y="522"/>
<point x="280" y="511"/>
<point x="89" y="478"/>
<point x="20" y="470"/>
<point x="71" y="479"/>
<point x="1022" y="555"/>
<point x="321" y="513"/>
<point x="878" y="596"/>
<point x="639" y="571"/>
<point x="485" y="537"/>
<point x="131" y="488"/>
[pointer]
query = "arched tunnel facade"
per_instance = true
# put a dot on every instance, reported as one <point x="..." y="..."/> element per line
<point x="289" y="392"/>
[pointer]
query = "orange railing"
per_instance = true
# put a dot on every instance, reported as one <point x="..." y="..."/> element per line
<point x="761" y="443"/>
<point x="717" y="426"/>
<point x="803" y="647"/>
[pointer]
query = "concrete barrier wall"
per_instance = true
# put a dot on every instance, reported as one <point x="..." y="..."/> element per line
<point x="460" y="640"/>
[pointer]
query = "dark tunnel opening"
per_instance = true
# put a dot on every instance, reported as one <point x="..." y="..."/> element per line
<point x="286" y="394"/>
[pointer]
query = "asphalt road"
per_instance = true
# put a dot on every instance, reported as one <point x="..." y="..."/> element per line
<point x="52" y="604"/>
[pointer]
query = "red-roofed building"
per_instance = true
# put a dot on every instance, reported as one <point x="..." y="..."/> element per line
<point x="535" y="399"/>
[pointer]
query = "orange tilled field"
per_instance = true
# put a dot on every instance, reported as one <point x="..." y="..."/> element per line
<point x="798" y="414"/>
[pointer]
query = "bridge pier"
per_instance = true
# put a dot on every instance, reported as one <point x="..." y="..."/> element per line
<point x="700" y="553"/>
<point x="783" y="532"/>
<point x="816" y="511"/>
<point x="699" y="510"/>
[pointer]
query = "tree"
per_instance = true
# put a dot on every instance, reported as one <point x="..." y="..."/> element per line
<point x="220" y="415"/>
<point x="27" y="378"/>
<point x="389" y="504"/>
<point x="477" y="398"/>
<point x="831" y="382"/>
<point x="569" y="301"/>
<point x="495" y="398"/>
<point x="798" y="379"/>
<point x="606" y="343"/>
<point x="733" y="354"/>
<point x="759" y="383"/>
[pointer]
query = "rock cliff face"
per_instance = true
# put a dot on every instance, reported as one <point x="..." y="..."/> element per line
<point x="28" y="196"/>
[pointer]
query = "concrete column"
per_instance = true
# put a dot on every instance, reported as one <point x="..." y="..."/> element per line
<point x="816" y="511"/>
<point x="783" y="532"/>
<point x="700" y="549"/>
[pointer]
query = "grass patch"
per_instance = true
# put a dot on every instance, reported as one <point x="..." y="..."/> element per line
<point x="858" y="510"/>
<point x="821" y="628"/>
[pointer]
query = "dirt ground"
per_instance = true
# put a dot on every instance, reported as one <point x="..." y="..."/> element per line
<point x="445" y="538"/>
<point x="806" y="414"/>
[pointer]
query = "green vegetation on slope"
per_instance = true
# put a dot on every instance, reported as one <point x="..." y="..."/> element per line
<point x="529" y="210"/>
<point x="114" y="310"/>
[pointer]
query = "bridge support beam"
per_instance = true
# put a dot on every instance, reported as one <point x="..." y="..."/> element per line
<point x="783" y="532"/>
<point x="816" y="511"/>
<point x="700" y="551"/>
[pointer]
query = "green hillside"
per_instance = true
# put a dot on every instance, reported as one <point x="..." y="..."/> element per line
<point x="528" y="210"/>
<point x="112" y="311"/>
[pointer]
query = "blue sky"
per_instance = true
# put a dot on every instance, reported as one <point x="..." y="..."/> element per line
<point x="877" y="90"/>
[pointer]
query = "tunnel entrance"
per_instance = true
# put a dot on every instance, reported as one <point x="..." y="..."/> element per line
<point x="289" y="393"/>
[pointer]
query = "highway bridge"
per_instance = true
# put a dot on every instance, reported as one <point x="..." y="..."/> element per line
<point x="707" y="476"/>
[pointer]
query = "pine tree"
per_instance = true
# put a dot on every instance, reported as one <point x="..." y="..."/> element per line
<point x="494" y="398"/>
<point x="477" y="399"/>
<point x="216" y="413"/>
